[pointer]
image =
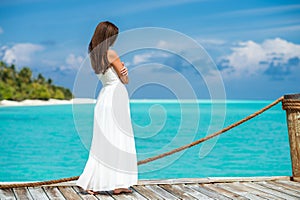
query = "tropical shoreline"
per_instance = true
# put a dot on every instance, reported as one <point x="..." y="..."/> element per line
<point x="36" y="102"/>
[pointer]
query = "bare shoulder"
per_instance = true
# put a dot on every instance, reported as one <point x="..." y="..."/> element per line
<point x="112" y="55"/>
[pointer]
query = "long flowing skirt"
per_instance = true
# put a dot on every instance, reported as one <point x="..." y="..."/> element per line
<point x="112" y="161"/>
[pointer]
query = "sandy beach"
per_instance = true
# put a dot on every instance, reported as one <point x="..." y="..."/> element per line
<point x="30" y="102"/>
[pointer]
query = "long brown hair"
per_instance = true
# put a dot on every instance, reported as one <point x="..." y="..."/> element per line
<point x="104" y="36"/>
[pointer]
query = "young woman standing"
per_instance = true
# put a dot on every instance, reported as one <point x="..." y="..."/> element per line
<point x="112" y="162"/>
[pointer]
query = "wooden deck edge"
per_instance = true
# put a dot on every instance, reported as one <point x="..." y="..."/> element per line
<point x="212" y="180"/>
<point x="183" y="180"/>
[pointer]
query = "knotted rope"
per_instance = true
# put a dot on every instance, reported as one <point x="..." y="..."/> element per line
<point x="39" y="183"/>
<point x="291" y="104"/>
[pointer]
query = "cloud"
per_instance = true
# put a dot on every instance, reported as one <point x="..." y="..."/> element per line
<point x="72" y="62"/>
<point x="279" y="70"/>
<point x="274" y="57"/>
<point x="177" y="44"/>
<point x="20" y="54"/>
<point x="151" y="56"/>
<point x="141" y="58"/>
<point x="192" y="54"/>
<point x="182" y="54"/>
<point x="210" y="41"/>
<point x="1" y="30"/>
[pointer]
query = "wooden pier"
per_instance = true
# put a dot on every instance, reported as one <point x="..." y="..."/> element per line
<point x="186" y="188"/>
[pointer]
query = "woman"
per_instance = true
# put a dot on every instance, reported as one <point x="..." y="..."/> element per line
<point x="112" y="162"/>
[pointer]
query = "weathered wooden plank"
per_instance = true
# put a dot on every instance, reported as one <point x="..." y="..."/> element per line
<point x="53" y="193"/>
<point x="257" y="192"/>
<point x="176" y="191"/>
<point x="149" y="194"/>
<point x="241" y="179"/>
<point x="37" y="193"/>
<point x="270" y="191"/>
<point x="227" y="193"/>
<point x="122" y="196"/>
<point x="134" y="196"/>
<point x="69" y="193"/>
<point x="192" y="192"/>
<point x="22" y="193"/>
<point x="163" y="193"/>
<point x="172" y="181"/>
<point x="84" y="195"/>
<point x="210" y="180"/>
<point x="290" y="186"/>
<point x="67" y="183"/>
<point x="7" y="194"/>
<point x="207" y="191"/>
<point x="296" y="184"/>
<point x="279" y="188"/>
<point x="239" y="190"/>
<point x="104" y="195"/>
<point x="137" y="195"/>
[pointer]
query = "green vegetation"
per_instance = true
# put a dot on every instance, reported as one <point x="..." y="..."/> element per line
<point x="21" y="85"/>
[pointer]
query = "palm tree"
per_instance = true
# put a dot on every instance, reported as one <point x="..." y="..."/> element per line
<point x="49" y="81"/>
<point x="40" y="78"/>
<point x="25" y="75"/>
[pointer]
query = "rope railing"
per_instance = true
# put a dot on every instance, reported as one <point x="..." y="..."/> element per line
<point x="212" y="135"/>
<point x="141" y="162"/>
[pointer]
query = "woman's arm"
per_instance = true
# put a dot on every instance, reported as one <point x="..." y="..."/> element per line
<point x="119" y="67"/>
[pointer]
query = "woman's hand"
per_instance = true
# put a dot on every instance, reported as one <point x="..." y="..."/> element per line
<point x="124" y="70"/>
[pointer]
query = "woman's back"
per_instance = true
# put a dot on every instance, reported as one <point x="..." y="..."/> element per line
<point x="110" y="77"/>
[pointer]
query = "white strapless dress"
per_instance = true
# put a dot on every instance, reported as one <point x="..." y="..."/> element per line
<point x="112" y="161"/>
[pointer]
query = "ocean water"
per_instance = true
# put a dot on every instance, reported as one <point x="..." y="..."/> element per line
<point x="50" y="142"/>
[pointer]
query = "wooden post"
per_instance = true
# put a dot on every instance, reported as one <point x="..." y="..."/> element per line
<point x="291" y="103"/>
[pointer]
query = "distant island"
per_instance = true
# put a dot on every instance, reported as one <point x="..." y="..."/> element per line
<point x="20" y="85"/>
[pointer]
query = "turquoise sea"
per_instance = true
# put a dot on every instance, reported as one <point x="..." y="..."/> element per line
<point x="50" y="142"/>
